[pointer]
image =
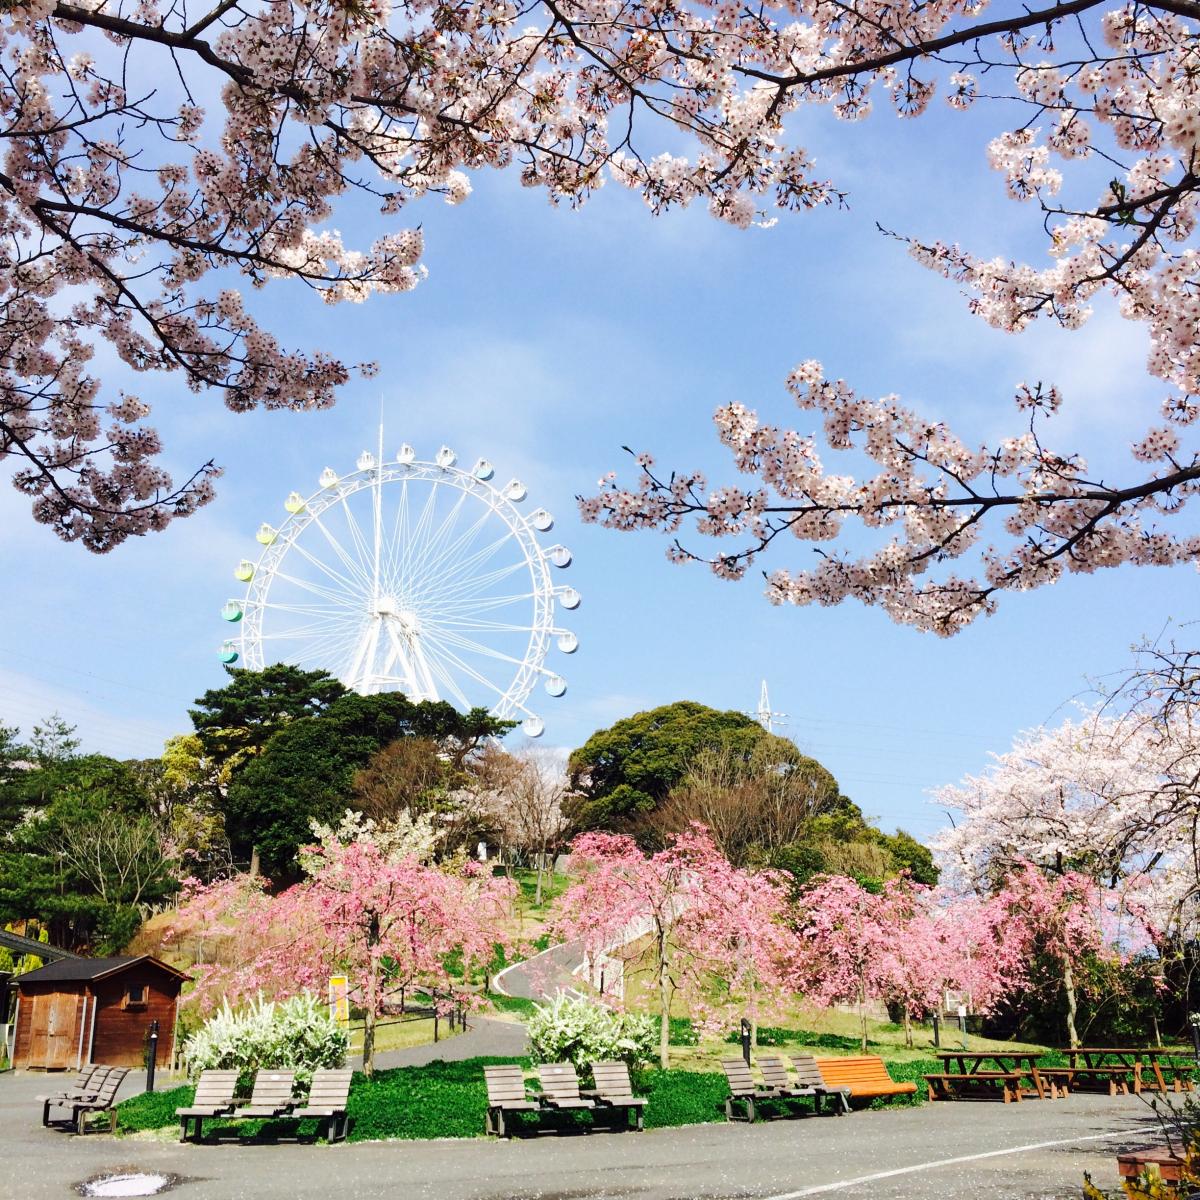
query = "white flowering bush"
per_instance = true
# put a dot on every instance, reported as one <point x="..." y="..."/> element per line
<point x="581" y="1032"/>
<point x="297" y="1033"/>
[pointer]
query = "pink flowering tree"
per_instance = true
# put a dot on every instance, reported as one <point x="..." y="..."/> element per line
<point x="845" y="946"/>
<point x="905" y="945"/>
<point x="1068" y="919"/>
<point x="712" y="933"/>
<point x="157" y="155"/>
<point x="388" y="924"/>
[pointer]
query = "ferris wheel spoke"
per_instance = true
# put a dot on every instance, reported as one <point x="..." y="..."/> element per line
<point x="460" y="623"/>
<point x="445" y="676"/>
<point x="467" y="669"/>
<point x="330" y="649"/>
<point x="460" y="543"/>
<point x="306" y="610"/>
<point x="473" y="647"/>
<point x="488" y="602"/>
<point x="450" y="581"/>
<point x="419" y="532"/>
<point x="318" y="590"/>
<point x="305" y="631"/>
<point x="360" y="542"/>
<point x="434" y="546"/>
<point x="355" y="569"/>
<point x="399" y="538"/>
<point x="345" y="582"/>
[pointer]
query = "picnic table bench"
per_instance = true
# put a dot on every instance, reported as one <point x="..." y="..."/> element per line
<point x="972" y="1080"/>
<point x="1107" y="1070"/>
<point x="1112" y="1068"/>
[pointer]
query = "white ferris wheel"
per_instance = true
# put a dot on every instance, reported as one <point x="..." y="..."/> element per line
<point x="410" y="576"/>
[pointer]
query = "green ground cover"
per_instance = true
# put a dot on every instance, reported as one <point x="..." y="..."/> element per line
<point x="448" y="1099"/>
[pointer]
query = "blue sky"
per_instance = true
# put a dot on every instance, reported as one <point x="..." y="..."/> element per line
<point x="545" y="339"/>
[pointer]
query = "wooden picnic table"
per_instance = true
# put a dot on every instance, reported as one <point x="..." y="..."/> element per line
<point x="1014" y="1064"/>
<point x="1114" y="1061"/>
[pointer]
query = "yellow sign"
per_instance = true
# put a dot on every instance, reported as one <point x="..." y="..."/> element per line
<point x="339" y="999"/>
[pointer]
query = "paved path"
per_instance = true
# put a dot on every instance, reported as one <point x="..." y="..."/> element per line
<point x="540" y="976"/>
<point x="484" y="1036"/>
<point x="1036" y="1150"/>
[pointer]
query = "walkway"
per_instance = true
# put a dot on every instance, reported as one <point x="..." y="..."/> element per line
<point x="540" y="976"/>
<point x="1037" y="1150"/>
<point x="484" y="1036"/>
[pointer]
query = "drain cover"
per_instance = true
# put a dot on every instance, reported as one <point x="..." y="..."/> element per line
<point x="127" y="1183"/>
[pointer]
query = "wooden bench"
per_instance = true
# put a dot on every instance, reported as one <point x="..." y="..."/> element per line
<point x="614" y="1091"/>
<point x="86" y="1084"/>
<point x="808" y="1081"/>
<point x="327" y="1100"/>
<point x="505" y="1094"/>
<point x="271" y="1095"/>
<point x="560" y="1087"/>
<point x="865" y="1076"/>
<point x="102" y="1101"/>
<point x="744" y="1089"/>
<point x="975" y="1085"/>
<point x="1113" y="1080"/>
<point x="1170" y="1166"/>
<point x="214" y="1098"/>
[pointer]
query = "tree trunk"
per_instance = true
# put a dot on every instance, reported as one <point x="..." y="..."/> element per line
<point x="664" y="1001"/>
<point x="372" y="1004"/>
<point x="541" y="867"/>
<point x="908" y="1038"/>
<point x="254" y="867"/>
<point x="1072" y="1003"/>
<point x="862" y="1013"/>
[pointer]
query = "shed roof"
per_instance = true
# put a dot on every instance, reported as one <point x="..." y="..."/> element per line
<point x="85" y="970"/>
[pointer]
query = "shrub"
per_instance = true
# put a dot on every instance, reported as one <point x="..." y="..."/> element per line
<point x="296" y="1033"/>
<point x="582" y="1032"/>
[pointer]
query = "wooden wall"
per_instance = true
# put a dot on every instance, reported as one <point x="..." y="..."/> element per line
<point x="121" y="1032"/>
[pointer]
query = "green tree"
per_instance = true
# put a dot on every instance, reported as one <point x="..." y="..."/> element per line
<point x="621" y="774"/>
<point x="236" y="721"/>
<point x="87" y="860"/>
<point x="306" y="771"/>
<point x="53" y="741"/>
<point x="13" y="757"/>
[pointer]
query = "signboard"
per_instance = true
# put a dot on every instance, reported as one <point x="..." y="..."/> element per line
<point x="339" y="999"/>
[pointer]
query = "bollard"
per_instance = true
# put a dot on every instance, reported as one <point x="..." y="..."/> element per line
<point x="1194" y="1026"/>
<point x="435" y="1020"/>
<point x="746" y="1040"/>
<point x="937" y="1030"/>
<point x="151" y="1055"/>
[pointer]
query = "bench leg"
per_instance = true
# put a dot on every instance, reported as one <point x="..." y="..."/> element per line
<point x="500" y="1123"/>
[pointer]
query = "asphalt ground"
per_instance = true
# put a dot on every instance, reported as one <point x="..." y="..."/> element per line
<point x="1035" y="1150"/>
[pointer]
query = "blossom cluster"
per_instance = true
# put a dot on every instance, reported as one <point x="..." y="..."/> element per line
<point x="118" y="203"/>
<point x="928" y="498"/>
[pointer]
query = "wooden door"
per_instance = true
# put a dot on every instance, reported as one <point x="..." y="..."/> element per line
<point x="52" y="1031"/>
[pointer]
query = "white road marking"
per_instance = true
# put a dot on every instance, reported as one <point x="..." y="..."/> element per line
<point x="841" y="1185"/>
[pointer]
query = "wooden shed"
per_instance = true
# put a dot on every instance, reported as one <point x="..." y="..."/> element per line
<point x="82" y="1010"/>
